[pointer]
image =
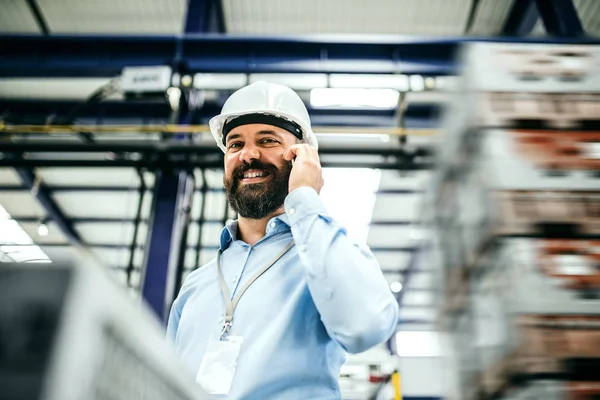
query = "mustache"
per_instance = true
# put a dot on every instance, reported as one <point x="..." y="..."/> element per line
<point x="253" y="164"/>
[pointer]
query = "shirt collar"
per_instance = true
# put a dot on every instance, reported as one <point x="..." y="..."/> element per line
<point x="229" y="232"/>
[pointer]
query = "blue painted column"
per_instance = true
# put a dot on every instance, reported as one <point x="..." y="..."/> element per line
<point x="169" y="222"/>
<point x="166" y="243"/>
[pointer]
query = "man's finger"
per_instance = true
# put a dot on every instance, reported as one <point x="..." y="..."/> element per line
<point x="290" y="153"/>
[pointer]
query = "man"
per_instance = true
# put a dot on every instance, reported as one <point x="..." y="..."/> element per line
<point x="312" y="295"/>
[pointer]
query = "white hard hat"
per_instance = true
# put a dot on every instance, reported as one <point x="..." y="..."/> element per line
<point x="265" y="102"/>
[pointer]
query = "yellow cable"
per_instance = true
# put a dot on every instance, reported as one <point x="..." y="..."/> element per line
<point x="397" y="386"/>
<point x="174" y="129"/>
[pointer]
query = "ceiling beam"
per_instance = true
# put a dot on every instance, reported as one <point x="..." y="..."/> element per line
<point x="560" y="18"/>
<point x="471" y="17"/>
<point x="16" y="111"/>
<point x="521" y="19"/>
<point x="38" y="15"/>
<point x="106" y="56"/>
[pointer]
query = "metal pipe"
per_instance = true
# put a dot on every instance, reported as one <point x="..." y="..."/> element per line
<point x="84" y="188"/>
<point x="203" y="191"/>
<point x="136" y="226"/>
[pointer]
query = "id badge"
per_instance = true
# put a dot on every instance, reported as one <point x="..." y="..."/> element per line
<point x="217" y="368"/>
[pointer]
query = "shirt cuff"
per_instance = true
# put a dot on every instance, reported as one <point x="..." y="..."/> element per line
<point x="303" y="202"/>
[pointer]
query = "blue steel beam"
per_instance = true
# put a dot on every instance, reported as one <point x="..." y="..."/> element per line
<point x="218" y="17"/>
<point x="96" y="56"/>
<point x="521" y="18"/>
<point x="560" y="18"/>
<point x="81" y="56"/>
<point x="204" y="16"/>
<point x="170" y="211"/>
<point x="52" y="210"/>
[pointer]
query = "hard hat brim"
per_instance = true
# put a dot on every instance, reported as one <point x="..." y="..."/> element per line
<point x="216" y="126"/>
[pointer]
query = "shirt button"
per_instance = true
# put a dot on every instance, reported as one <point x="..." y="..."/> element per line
<point x="292" y="211"/>
<point x="272" y="224"/>
<point x="302" y="248"/>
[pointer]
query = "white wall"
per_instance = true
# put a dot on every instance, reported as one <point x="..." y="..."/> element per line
<point x="421" y="376"/>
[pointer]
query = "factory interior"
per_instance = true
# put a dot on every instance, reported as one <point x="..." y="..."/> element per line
<point x="459" y="141"/>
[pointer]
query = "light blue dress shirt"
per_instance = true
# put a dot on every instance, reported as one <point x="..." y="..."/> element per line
<point x="325" y="297"/>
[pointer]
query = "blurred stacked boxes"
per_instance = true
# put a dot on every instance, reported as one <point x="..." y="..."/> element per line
<point x="516" y="195"/>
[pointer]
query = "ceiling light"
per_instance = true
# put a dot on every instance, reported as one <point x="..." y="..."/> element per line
<point x="396" y="287"/>
<point x="354" y="98"/>
<point x="173" y="95"/>
<point x="429" y="83"/>
<point x="42" y="229"/>
<point x="374" y="81"/>
<point x="417" y="83"/>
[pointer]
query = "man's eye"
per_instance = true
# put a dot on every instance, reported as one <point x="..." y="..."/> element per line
<point x="269" y="140"/>
<point x="235" y="145"/>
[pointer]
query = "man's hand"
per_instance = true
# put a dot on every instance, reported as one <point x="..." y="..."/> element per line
<point x="307" y="167"/>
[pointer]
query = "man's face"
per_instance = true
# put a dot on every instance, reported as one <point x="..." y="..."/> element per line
<point x="256" y="175"/>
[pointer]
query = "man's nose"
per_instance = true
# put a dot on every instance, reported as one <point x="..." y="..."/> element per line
<point x="249" y="152"/>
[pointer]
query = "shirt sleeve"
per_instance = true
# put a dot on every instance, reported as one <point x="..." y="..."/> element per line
<point x="176" y="310"/>
<point x="173" y="322"/>
<point x="345" y="280"/>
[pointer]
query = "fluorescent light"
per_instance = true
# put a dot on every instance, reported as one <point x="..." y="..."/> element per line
<point x="349" y="197"/>
<point x="446" y="82"/>
<point x="220" y="81"/>
<point x="294" y="81"/>
<point x="23" y="254"/>
<point x="354" y="98"/>
<point x="417" y="83"/>
<point x="372" y="81"/>
<point x="346" y="137"/>
<point x="396" y="287"/>
<point x="418" y="344"/>
<point x="15" y="243"/>
<point x="417" y="233"/>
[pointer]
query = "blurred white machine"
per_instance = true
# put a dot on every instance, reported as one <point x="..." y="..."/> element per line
<point x="70" y="333"/>
<point x="516" y="196"/>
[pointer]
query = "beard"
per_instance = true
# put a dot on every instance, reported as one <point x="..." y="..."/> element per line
<point x="258" y="200"/>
